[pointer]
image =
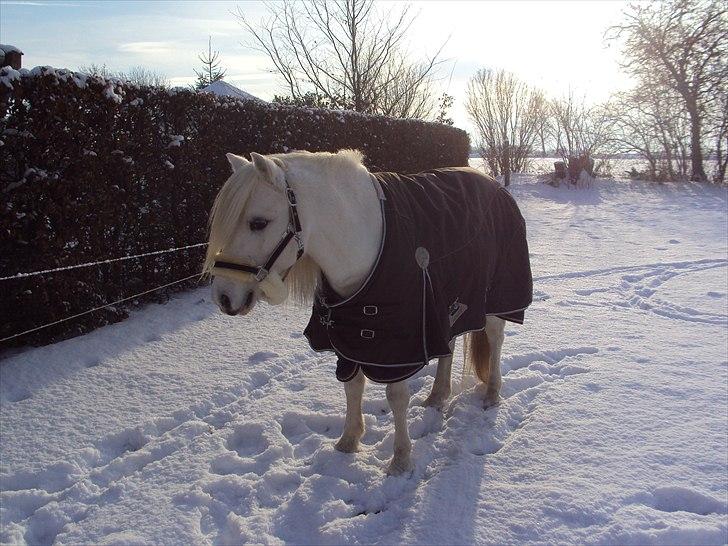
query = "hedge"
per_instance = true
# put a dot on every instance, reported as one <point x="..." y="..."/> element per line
<point x="94" y="168"/>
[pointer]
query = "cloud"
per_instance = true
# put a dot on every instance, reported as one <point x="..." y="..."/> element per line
<point x="45" y="4"/>
<point x="149" y="48"/>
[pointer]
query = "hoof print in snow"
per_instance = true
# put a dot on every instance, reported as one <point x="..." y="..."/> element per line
<point x="126" y="441"/>
<point x="247" y="440"/>
<point x="369" y="512"/>
<point x="681" y="499"/>
<point x="19" y="396"/>
<point x="261" y="356"/>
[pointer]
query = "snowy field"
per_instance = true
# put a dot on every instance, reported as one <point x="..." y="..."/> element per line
<point x="185" y="426"/>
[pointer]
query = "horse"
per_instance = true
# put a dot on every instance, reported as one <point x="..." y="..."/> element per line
<point x="316" y="227"/>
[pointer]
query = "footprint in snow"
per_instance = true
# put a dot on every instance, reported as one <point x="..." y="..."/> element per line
<point x="252" y="448"/>
<point x="19" y="396"/>
<point x="539" y="295"/>
<point x="261" y="356"/>
<point x="247" y="440"/>
<point x="682" y="499"/>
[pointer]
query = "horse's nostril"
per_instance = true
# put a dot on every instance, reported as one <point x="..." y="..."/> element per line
<point x="225" y="302"/>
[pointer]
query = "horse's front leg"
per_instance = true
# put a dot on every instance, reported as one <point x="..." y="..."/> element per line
<point x="398" y="397"/>
<point x="354" y="424"/>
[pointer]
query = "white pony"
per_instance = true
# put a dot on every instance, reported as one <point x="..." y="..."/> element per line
<point x="336" y="234"/>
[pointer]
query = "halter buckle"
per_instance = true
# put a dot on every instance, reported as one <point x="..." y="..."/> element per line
<point x="261" y="274"/>
<point x="291" y="197"/>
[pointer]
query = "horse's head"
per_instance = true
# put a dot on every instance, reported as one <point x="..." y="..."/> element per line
<point x="250" y="220"/>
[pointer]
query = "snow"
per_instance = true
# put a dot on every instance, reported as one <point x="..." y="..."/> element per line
<point x="222" y="88"/>
<point x="8" y="75"/>
<point x="185" y="426"/>
<point x="110" y="92"/>
<point x="9" y="49"/>
<point x="176" y="141"/>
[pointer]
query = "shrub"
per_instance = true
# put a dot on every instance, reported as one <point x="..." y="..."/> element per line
<point x="93" y="168"/>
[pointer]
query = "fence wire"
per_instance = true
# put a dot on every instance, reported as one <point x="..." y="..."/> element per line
<point x="89" y="264"/>
<point x="98" y="308"/>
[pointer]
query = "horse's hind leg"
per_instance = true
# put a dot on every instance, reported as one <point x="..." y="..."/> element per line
<point x="354" y="424"/>
<point x="495" y="331"/>
<point x="441" y="387"/>
<point x="398" y="397"/>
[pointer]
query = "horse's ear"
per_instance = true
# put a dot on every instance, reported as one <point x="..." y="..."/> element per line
<point x="236" y="161"/>
<point x="271" y="168"/>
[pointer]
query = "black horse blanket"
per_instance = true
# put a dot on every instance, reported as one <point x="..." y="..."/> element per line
<point x="453" y="251"/>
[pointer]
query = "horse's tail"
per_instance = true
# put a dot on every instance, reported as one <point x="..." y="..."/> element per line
<point x="477" y="355"/>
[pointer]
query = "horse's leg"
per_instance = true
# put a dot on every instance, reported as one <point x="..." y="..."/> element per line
<point x="354" y="424"/>
<point x="441" y="387"/>
<point x="398" y="398"/>
<point x="495" y="331"/>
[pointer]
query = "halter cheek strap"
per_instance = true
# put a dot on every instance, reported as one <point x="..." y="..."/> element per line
<point x="292" y="232"/>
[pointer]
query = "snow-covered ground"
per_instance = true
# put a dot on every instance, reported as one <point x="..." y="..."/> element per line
<point x="185" y="426"/>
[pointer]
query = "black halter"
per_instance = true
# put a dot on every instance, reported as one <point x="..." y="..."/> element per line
<point x="292" y="232"/>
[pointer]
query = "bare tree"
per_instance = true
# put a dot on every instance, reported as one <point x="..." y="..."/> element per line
<point x="506" y="113"/>
<point x="544" y="125"/>
<point x="211" y="71"/>
<point x="720" y="131"/>
<point x="138" y="75"/>
<point x="681" y="45"/>
<point x="347" y="53"/>
<point x="633" y="132"/>
<point x="145" y="76"/>
<point x="97" y="70"/>
<point x="580" y="132"/>
<point x="652" y="123"/>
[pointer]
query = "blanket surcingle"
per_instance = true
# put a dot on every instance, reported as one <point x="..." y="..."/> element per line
<point x="453" y="251"/>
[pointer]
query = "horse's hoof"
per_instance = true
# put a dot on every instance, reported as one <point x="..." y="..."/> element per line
<point x="436" y="399"/>
<point x="491" y="401"/>
<point x="434" y="402"/>
<point x="399" y="466"/>
<point x="347" y="445"/>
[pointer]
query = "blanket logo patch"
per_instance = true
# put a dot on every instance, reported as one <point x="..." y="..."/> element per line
<point x="456" y="310"/>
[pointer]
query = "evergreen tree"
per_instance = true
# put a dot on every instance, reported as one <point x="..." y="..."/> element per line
<point x="211" y="71"/>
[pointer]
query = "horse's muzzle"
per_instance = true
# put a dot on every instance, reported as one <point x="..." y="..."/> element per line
<point x="227" y="308"/>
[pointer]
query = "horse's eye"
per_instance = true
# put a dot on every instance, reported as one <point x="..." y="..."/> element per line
<point x="258" y="224"/>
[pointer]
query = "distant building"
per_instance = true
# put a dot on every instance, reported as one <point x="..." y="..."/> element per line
<point x="224" y="89"/>
<point x="10" y="56"/>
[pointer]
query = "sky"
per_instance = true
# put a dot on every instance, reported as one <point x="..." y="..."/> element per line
<point x="558" y="46"/>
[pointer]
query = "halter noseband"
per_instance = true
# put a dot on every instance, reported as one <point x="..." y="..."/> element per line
<point x="292" y="232"/>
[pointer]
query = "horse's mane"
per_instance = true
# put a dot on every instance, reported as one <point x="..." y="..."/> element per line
<point x="232" y="198"/>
